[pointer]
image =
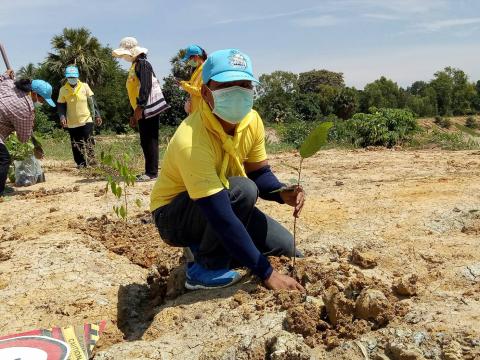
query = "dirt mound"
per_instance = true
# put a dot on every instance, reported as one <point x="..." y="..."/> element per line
<point x="406" y="285"/>
<point x="365" y="260"/>
<point x="137" y="239"/>
<point x="341" y="303"/>
<point x="42" y="192"/>
<point x="411" y="212"/>
<point x="372" y="305"/>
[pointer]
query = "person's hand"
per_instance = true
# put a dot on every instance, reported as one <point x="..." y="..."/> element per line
<point x="138" y="113"/>
<point x="38" y="152"/>
<point x="133" y="122"/>
<point x="10" y="73"/>
<point x="63" y="122"/>
<point x="294" y="196"/>
<point x="277" y="281"/>
<point x="98" y="120"/>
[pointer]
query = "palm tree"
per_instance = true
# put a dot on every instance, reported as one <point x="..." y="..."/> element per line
<point x="181" y="70"/>
<point x="79" y="47"/>
<point x="27" y="72"/>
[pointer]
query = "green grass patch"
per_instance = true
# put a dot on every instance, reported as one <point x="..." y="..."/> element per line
<point x="467" y="130"/>
<point x="57" y="146"/>
<point x="443" y="140"/>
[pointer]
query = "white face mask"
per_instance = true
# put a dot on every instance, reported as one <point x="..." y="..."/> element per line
<point x="232" y="104"/>
<point x="72" y="81"/>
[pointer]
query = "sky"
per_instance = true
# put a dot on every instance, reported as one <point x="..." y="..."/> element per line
<point x="404" y="40"/>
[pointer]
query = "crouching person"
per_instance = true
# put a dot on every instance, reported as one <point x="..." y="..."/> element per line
<point x="213" y="170"/>
<point x="18" y="100"/>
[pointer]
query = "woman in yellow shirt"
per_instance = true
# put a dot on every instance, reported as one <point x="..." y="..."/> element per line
<point x="75" y="108"/>
<point x="147" y="101"/>
<point x="195" y="56"/>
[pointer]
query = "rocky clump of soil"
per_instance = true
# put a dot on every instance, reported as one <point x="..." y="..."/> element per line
<point x="363" y="259"/>
<point x="372" y="305"/>
<point x="341" y="303"/>
<point x="406" y="285"/>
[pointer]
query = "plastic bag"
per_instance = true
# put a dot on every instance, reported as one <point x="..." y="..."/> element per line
<point x="28" y="172"/>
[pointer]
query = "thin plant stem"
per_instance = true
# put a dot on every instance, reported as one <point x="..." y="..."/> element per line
<point x="295" y="223"/>
<point x="126" y="202"/>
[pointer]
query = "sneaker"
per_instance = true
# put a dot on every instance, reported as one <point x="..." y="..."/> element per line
<point x="145" y="177"/>
<point x="200" y="278"/>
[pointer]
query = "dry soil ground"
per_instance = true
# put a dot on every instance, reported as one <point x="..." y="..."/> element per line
<point x="392" y="267"/>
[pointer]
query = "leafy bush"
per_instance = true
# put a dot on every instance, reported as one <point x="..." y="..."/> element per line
<point x="43" y="124"/>
<point x="443" y="122"/>
<point x="471" y="123"/>
<point x="383" y="127"/>
<point x="18" y="150"/>
<point x="294" y="133"/>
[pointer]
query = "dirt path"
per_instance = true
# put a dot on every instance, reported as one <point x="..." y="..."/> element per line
<point x="412" y="214"/>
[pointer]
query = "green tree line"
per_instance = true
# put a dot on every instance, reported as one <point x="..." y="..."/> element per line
<point x="283" y="96"/>
<point x="313" y="95"/>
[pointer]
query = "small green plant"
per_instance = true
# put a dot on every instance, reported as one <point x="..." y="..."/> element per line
<point x="314" y="141"/>
<point x="471" y="122"/>
<point x="120" y="183"/>
<point x="18" y="152"/>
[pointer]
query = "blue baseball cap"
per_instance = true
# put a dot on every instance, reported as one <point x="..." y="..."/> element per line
<point x="44" y="89"/>
<point x="192" y="50"/>
<point x="71" y="71"/>
<point x="228" y="65"/>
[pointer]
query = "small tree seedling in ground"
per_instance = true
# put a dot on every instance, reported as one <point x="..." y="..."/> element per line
<point x="314" y="141"/>
<point x="119" y="184"/>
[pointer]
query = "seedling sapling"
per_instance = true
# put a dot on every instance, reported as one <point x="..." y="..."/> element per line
<point x="120" y="184"/>
<point x="314" y="141"/>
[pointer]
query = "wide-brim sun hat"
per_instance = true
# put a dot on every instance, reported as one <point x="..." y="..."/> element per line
<point x="44" y="89"/>
<point x="129" y="46"/>
<point x="228" y="65"/>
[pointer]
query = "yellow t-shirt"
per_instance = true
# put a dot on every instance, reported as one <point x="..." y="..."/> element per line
<point x="193" y="159"/>
<point x="194" y="88"/>
<point x="133" y="86"/>
<point x="78" y="112"/>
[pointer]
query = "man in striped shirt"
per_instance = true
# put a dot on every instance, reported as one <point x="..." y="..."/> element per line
<point x="17" y="113"/>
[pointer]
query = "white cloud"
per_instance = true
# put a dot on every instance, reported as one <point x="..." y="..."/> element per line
<point x="446" y="24"/>
<point x="379" y="16"/>
<point x="403" y="6"/>
<point x="266" y="17"/>
<point x="318" y="21"/>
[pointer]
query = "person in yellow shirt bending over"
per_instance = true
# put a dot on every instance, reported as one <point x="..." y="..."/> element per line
<point x="213" y="171"/>
<point x="75" y="103"/>
<point x="195" y="56"/>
